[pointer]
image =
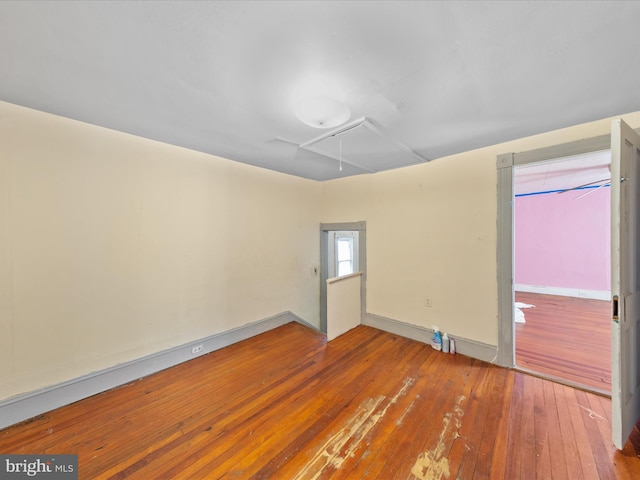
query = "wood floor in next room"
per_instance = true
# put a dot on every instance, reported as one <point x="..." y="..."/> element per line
<point x="368" y="405"/>
<point x="566" y="337"/>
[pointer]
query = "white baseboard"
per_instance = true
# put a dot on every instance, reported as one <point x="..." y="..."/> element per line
<point x="464" y="346"/>
<point x="28" y="405"/>
<point x="564" y="292"/>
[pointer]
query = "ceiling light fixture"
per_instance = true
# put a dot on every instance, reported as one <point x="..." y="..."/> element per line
<point x="318" y="101"/>
<point x="322" y="112"/>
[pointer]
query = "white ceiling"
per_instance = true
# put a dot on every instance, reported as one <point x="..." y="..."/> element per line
<point x="437" y="77"/>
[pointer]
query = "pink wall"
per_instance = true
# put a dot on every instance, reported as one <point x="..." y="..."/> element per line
<point x="564" y="242"/>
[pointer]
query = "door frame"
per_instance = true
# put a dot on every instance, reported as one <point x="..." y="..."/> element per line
<point x="505" y="165"/>
<point x="325" y="228"/>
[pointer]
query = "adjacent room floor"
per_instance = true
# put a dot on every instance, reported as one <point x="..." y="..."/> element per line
<point x="567" y="338"/>
<point x="288" y="405"/>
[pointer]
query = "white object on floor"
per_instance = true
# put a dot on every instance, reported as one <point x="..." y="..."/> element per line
<point x="518" y="314"/>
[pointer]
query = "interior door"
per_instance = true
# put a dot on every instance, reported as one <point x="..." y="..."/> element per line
<point x="625" y="280"/>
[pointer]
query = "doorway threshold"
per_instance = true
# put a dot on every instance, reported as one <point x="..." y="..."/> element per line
<point x="563" y="381"/>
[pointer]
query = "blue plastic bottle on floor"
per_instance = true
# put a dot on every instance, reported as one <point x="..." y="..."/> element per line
<point x="436" y="340"/>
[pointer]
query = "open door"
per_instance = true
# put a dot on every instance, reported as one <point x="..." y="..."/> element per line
<point x="625" y="280"/>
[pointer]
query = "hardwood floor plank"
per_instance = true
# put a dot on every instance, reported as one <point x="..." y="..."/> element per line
<point x="570" y="450"/>
<point x="476" y="410"/>
<point x="368" y="405"/>
<point x="582" y="436"/>
<point x="600" y="453"/>
<point x="459" y="448"/>
<point x="502" y="441"/>
<point x="516" y="430"/>
<point x="528" y="446"/>
<point x="555" y="442"/>
<point x="541" y="423"/>
<point x="493" y="435"/>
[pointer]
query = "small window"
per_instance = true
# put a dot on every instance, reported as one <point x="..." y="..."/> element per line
<point x="343" y="253"/>
<point x="344" y="257"/>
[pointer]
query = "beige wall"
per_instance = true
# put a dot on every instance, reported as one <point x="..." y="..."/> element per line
<point x="432" y="233"/>
<point x="113" y="247"/>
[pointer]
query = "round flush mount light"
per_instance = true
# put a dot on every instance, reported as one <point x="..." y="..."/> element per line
<point x="317" y="100"/>
<point x="320" y="111"/>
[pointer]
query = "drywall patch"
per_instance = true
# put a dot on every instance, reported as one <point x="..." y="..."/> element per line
<point x="432" y="464"/>
<point x="349" y="437"/>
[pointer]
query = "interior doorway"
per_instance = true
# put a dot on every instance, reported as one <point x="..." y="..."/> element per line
<point x="562" y="269"/>
<point x="342" y="252"/>
<point x="624" y="145"/>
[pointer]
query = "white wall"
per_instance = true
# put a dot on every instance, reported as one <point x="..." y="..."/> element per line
<point x="113" y="247"/>
<point x="432" y="234"/>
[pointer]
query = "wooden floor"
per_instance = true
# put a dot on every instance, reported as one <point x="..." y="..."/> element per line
<point x="565" y="337"/>
<point x="368" y="405"/>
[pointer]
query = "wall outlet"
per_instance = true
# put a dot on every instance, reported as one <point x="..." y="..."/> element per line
<point x="196" y="349"/>
<point x="427" y="302"/>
